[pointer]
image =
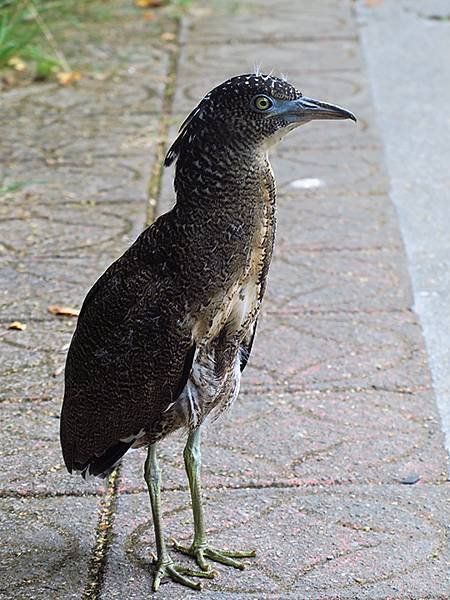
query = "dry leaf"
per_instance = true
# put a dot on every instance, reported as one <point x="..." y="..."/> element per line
<point x="148" y="15"/>
<point x="373" y="2"/>
<point x="17" y="63"/>
<point x="68" y="77"/>
<point x="167" y="36"/>
<point x="17" y="325"/>
<point x="57" y="372"/>
<point x="63" y="311"/>
<point x="149" y="3"/>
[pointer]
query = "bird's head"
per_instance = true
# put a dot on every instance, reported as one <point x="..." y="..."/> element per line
<point x="251" y="110"/>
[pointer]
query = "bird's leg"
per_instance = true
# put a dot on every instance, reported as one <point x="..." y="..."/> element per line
<point x="199" y="548"/>
<point x="164" y="563"/>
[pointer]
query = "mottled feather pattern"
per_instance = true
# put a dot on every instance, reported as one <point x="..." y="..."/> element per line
<point x="163" y="333"/>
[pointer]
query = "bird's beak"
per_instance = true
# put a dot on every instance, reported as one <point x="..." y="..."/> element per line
<point x="304" y="109"/>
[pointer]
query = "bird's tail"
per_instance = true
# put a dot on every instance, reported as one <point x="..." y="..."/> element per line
<point x="101" y="466"/>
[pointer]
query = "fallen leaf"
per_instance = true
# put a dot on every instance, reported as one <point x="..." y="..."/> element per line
<point x="148" y="15"/>
<point x="17" y="63"/>
<point x="57" y="372"/>
<point x="63" y="311"/>
<point x="373" y="2"/>
<point x="68" y="77"/>
<point x="17" y="325"/>
<point x="167" y="36"/>
<point x="149" y="3"/>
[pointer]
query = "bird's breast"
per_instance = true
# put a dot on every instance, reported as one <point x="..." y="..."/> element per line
<point x="236" y="306"/>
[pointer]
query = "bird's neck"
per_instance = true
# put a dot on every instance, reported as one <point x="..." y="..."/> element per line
<point x="221" y="176"/>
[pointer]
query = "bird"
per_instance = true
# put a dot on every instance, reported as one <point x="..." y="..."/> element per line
<point x="165" y="333"/>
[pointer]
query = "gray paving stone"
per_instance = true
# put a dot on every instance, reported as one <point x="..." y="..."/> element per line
<point x="52" y="253"/>
<point x="46" y="547"/>
<point x="61" y="281"/>
<point x="323" y="350"/>
<point x="311" y="222"/>
<point x="96" y="96"/>
<point x="335" y="169"/>
<point x="99" y="180"/>
<point x="330" y="542"/>
<point x="31" y="453"/>
<point x="332" y="279"/>
<point x="269" y="23"/>
<point x="62" y="137"/>
<point x="30" y="358"/>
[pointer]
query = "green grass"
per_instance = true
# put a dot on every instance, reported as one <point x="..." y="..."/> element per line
<point x="34" y="32"/>
<point x="21" y="37"/>
<point x="8" y="187"/>
<point x="28" y="32"/>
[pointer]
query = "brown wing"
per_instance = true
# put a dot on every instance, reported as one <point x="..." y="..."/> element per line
<point x="127" y="359"/>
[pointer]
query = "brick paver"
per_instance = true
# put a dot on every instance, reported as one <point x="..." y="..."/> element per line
<point x="336" y="408"/>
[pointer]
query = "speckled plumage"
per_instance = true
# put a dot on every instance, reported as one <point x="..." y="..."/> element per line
<point x="164" y="333"/>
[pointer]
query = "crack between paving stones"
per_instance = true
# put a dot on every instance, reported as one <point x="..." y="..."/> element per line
<point x="287" y="485"/>
<point x="106" y="525"/>
<point x="271" y="39"/>
<point x="154" y="186"/>
<point x="103" y="539"/>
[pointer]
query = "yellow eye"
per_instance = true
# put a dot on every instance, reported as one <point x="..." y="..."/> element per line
<point x="262" y="103"/>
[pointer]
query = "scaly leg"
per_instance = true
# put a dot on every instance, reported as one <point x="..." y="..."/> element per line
<point x="199" y="549"/>
<point x="164" y="564"/>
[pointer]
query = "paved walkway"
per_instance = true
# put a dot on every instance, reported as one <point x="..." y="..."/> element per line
<point x="336" y="409"/>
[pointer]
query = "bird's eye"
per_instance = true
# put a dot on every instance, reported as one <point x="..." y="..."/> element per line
<point x="262" y="103"/>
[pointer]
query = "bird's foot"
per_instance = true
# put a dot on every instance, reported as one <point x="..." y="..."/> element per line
<point x="165" y="567"/>
<point x="203" y="551"/>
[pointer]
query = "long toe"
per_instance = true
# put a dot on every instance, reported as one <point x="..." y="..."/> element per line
<point x="192" y="573"/>
<point x="173" y="573"/>
<point x="197" y="553"/>
<point x="222" y="558"/>
<point x="237" y="553"/>
<point x="225" y="557"/>
<point x="178" y="574"/>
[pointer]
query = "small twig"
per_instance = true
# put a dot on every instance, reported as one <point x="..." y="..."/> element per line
<point x="48" y="35"/>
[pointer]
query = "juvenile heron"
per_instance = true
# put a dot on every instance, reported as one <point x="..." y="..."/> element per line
<point x="164" y="334"/>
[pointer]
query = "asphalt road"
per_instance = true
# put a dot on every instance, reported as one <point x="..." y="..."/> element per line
<point x="410" y="80"/>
